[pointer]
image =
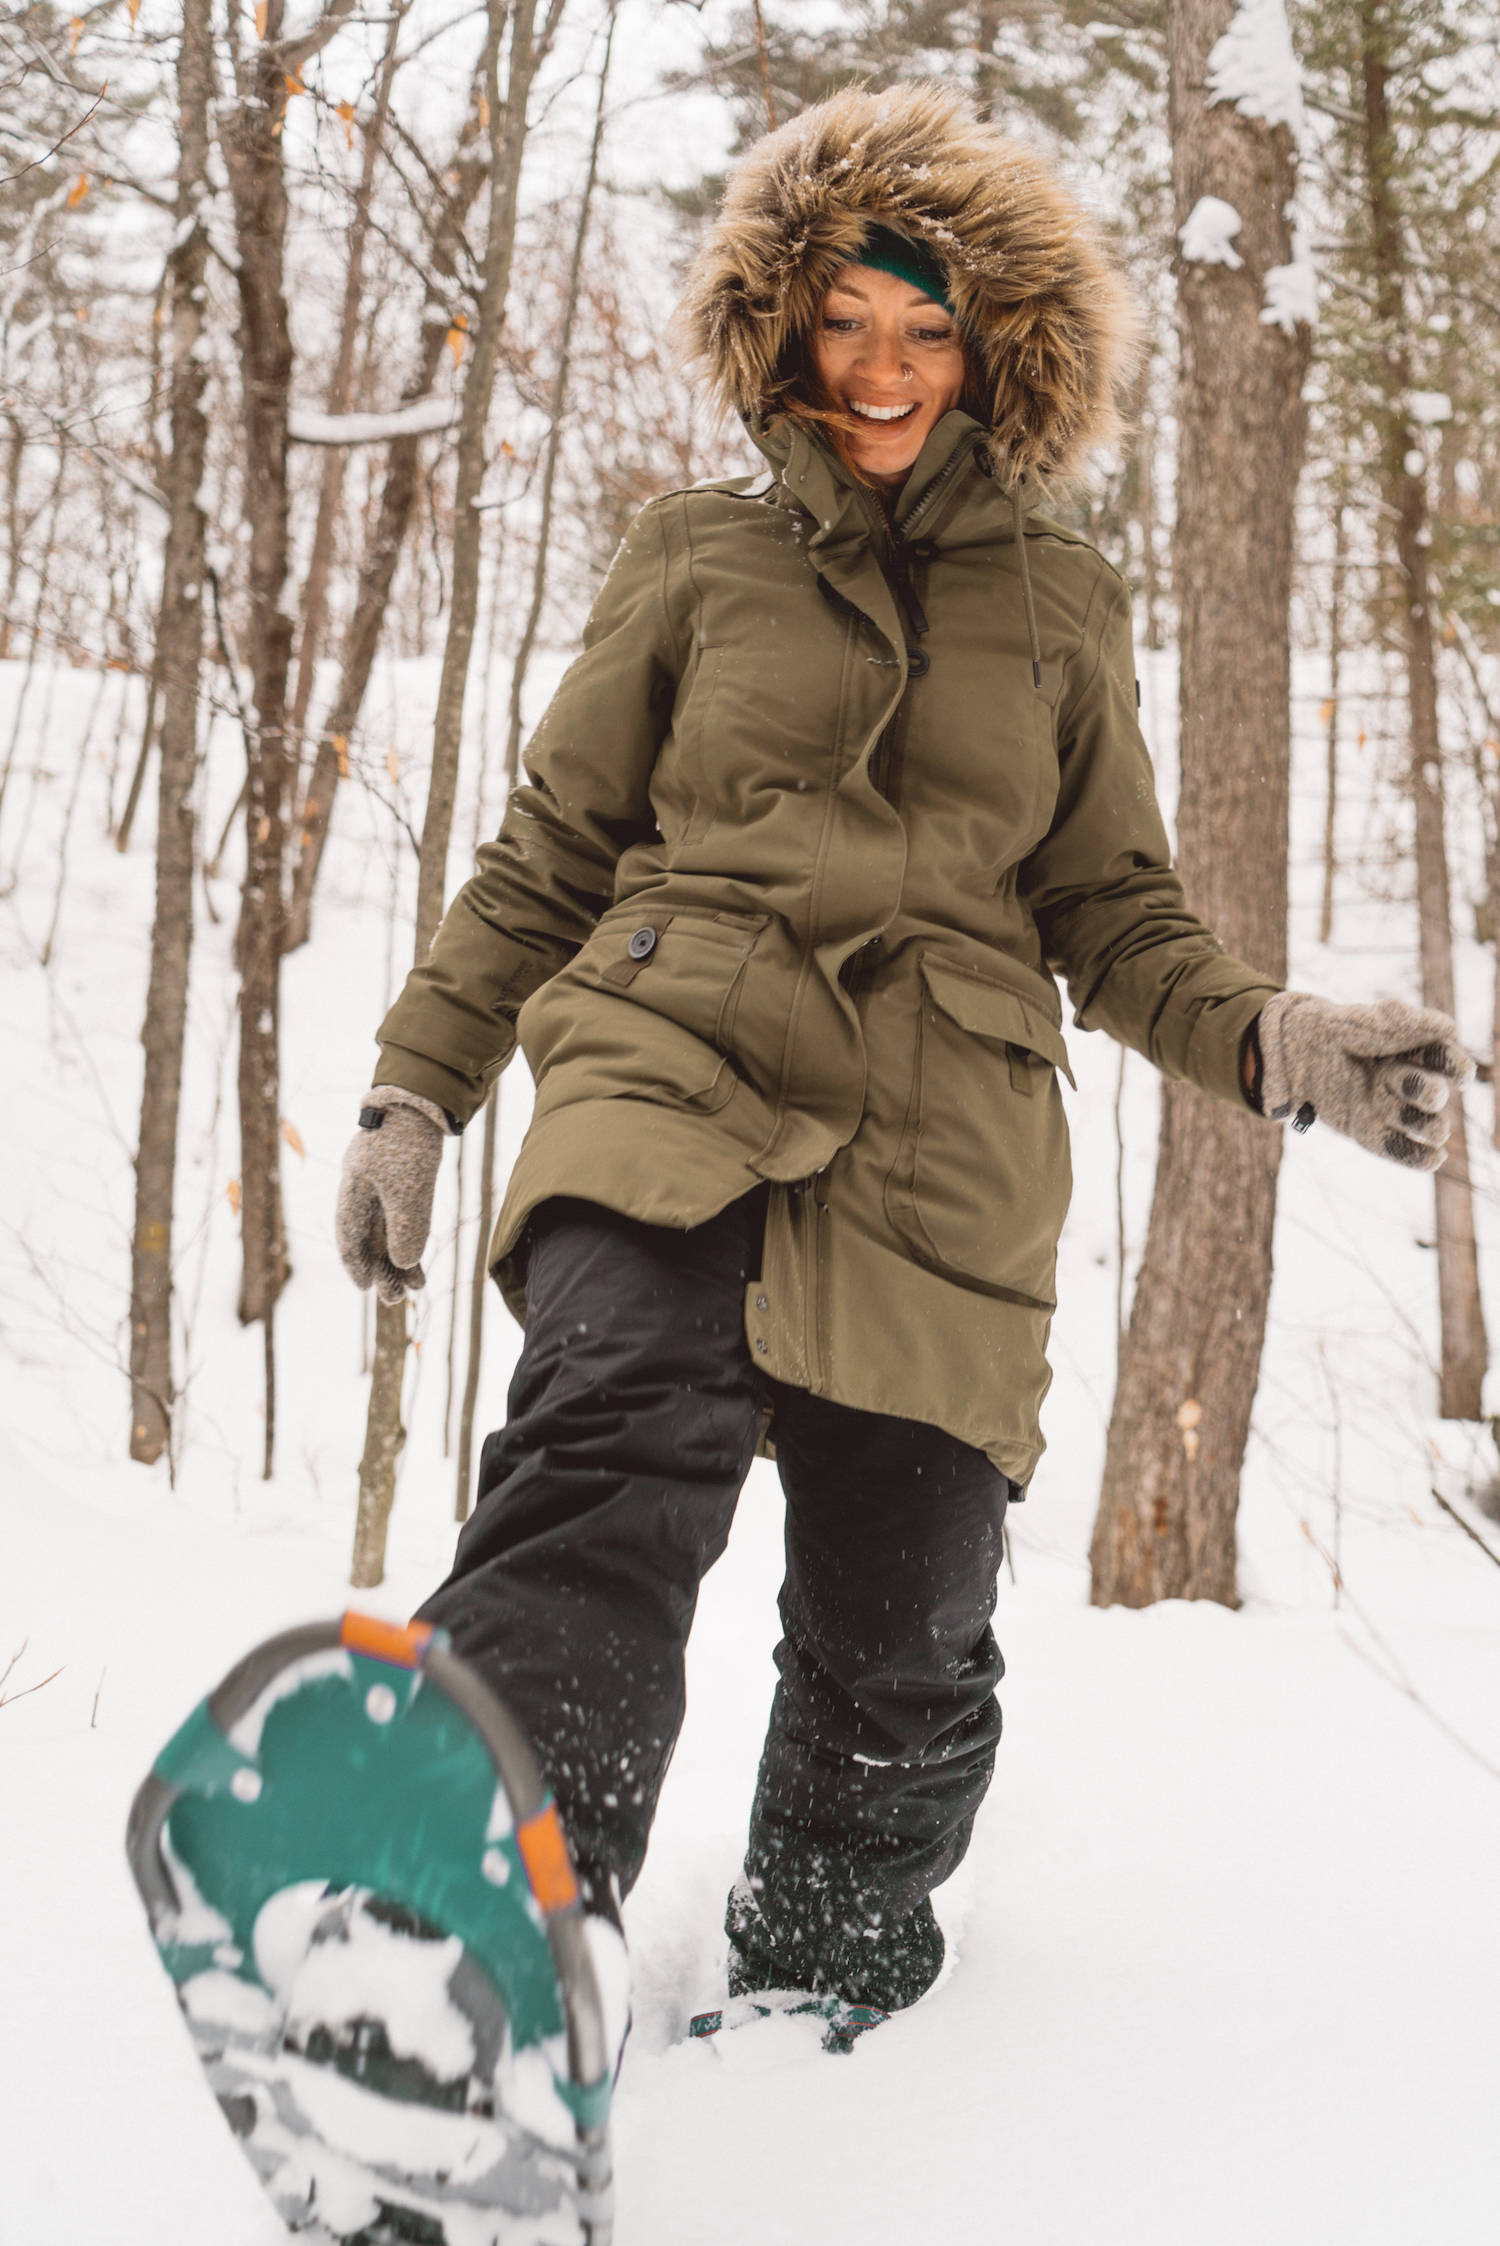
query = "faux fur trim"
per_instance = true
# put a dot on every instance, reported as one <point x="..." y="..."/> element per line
<point x="1054" y="326"/>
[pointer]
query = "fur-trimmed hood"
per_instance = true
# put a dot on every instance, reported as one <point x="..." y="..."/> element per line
<point x="1042" y="305"/>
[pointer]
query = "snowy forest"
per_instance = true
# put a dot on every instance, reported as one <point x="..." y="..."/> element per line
<point x="337" y="352"/>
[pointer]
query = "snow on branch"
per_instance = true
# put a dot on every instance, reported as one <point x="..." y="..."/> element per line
<point x="1208" y="236"/>
<point x="1291" y="291"/>
<point x="305" y="427"/>
<point x="1254" y="66"/>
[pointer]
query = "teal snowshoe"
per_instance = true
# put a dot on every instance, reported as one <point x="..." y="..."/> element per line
<point x="362" y="1893"/>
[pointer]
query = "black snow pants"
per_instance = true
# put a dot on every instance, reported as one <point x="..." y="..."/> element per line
<point x="605" y="1498"/>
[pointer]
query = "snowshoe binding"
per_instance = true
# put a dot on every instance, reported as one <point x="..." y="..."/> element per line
<point x="844" y="2023"/>
<point x="362" y="1893"/>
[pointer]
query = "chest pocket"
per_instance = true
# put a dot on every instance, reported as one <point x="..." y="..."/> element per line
<point x="681" y="787"/>
<point x="983" y="1175"/>
<point x="759" y="725"/>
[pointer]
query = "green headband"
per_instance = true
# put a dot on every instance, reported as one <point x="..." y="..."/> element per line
<point x="912" y="262"/>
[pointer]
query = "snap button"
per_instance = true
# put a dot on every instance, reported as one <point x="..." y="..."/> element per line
<point x="761" y="1346"/>
<point x="761" y="1303"/>
<point x="642" y="944"/>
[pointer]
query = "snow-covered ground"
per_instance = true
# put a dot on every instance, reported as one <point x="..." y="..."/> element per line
<point x="1225" y="1959"/>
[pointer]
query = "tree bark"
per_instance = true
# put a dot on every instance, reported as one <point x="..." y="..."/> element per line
<point x="148" y="734"/>
<point x="477" y="1278"/>
<point x="1166" y="1522"/>
<point x="507" y="143"/>
<point x="252" y="150"/>
<point x="252" y="145"/>
<point x="177" y="666"/>
<point x="384" y="1436"/>
<point x="336" y="397"/>
<point x="1464" y="1347"/>
<point x="33" y="652"/>
<point x="14" y="532"/>
<point x="557" y="408"/>
<point x="507" y="129"/>
<point x="398" y="498"/>
<point x="1335" y="659"/>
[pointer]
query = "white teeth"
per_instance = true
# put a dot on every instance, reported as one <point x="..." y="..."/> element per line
<point x="882" y="413"/>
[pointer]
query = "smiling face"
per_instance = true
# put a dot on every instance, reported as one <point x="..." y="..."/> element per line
<point x="892" y="359"/>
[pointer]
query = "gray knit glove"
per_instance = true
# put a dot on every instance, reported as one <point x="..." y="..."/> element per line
<point x="1381" y="1074"/>
<point x="385" y="1190"/>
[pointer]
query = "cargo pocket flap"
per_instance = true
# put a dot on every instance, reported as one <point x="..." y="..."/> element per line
<point x="989" y="1010"/>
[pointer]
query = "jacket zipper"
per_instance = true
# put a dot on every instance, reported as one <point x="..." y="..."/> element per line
<point x="884" y="774"/>
<point x="885" y="762"/>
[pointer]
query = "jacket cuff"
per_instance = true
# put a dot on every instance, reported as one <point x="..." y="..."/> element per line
<point x="457" y="1096"/>
<point x="382" y="1096"/>
<point x="1250" y="1050"/>
<point x="1216" y="1047"/>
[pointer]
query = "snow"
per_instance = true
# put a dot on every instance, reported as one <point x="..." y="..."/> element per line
<point x="1429" y="407"/>
<point x="1207" y="237"/>
<point x="305" y="427"/>
<point x="1291" y="291"/>
<point x="372" y="1971"/>
<point x="195" y="1919"/>
<point x="1254" y="66"/>
<point x="1222" y="1958"/>
<point x="244" y="1735"/>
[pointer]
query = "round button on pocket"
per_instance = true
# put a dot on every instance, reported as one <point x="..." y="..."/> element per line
<point x="642" y="944"/>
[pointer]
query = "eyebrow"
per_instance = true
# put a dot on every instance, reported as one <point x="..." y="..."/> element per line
<point x="918" y="301"/>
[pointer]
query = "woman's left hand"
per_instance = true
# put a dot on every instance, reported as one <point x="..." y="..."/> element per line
<point x="1382" y="1074"/>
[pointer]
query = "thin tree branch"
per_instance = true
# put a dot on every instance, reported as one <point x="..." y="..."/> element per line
<point x="1472" y="1534"/>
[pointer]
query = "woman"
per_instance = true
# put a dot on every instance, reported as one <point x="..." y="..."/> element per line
<point x="847" y="771"/>
<point x="848" y="768"/>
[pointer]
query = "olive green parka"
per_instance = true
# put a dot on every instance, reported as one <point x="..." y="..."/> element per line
<point x="826" y="802"/>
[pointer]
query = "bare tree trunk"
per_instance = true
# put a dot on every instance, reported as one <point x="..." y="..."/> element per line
<point x="250" y="136"/>
<point x="43" y="587"/>
<point x="14" y="535"/>
<point x="1151" y="588"/>
<point x="398" y="498"/>
<point x="557" y="407"/>
<point x="989" y="77"/>
<point x="336" y="397"/>
<point x="384" y="1436"/>
<point x="80" y="763"/>
<point x="507" y="129"/>
<point x="1464" y="1347"/>
<point x="479" y="1275"/>
<point x="1166" y="1522"/>
<point x="1335" y="657"/>
<point x="138" y="777"/>
<point x="176" y="666"/>
<point x="252" y="149"/>
<point x="763" y="61"/>
<point x="454" y="1301"/>
<point x="507" y="143"/>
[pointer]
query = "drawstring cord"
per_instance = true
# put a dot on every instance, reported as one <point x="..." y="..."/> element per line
<point x="1018" y="517"/>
